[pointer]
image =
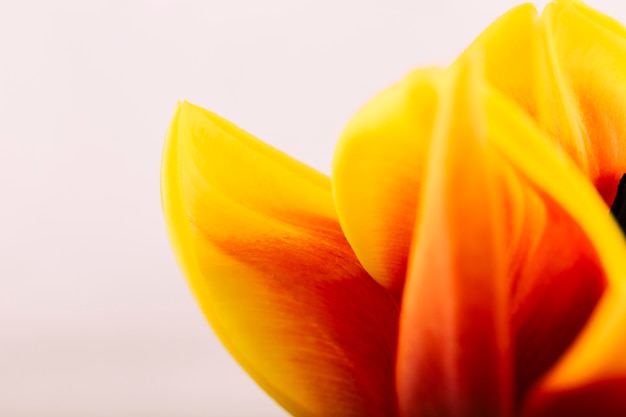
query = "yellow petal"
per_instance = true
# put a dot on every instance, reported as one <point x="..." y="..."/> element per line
<point x="257" y="237"/>
<point x="521" y="62"/>
<point x="377" y="172"/>
<point x="567" y="70"/>
<point x="590" y="52"/>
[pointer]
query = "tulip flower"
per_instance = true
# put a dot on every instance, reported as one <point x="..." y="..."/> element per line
<point x="460" y="261"/>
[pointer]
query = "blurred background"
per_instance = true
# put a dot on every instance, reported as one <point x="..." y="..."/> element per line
<point x="95" y="317"/>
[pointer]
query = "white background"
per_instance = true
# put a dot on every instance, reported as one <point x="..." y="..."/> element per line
<point x="95" y="318"/>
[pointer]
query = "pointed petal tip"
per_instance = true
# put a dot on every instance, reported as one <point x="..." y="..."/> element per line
<point x="256" y="235"/>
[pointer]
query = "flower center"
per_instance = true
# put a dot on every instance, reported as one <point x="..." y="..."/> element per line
<point x="618" y="209"/>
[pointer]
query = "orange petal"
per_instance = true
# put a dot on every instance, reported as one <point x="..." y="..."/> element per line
<point x="377" y="172"/>
<point x="454" y="355"/>
<point x="594" y="248"/>
<point x="575" y="260"/>
<point x="257" y="237"/>
<point x="507" y="265"/>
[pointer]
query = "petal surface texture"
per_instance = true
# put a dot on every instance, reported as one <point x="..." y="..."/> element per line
<point x="566" y="68"/>
<point x="577" y="56"/>
<point x="377" y="171"/>
<point x="571" y="287"/>
<point x="513" y="253"/>
<point x="590" y="50"/>
<point x="520" y="61"/>
<point x="256" y="235"/>
<point x="454" y="356"/>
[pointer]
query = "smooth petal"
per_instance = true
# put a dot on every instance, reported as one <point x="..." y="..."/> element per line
<point x="377" y="171"/>
<point x="590" y="372"/>
<point x="566" y="68"/>
<point x="454" y="355"/>
<point x="590" y="51"/>
<point x="521" y="62"/>
<point x="513" y="57"/>
<point x="505" y="250"/>
<point x="257" y="237"/>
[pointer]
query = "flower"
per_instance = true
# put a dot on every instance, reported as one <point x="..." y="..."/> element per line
<point x="460" y="261"/>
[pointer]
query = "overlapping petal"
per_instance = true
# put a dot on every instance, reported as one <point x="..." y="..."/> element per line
<point x="586" y="65"/>
<point x="579" y="250"/>
<point x="565" y="68"/>
<point x="454" y="357"/>
<point x="465" y="194"/>
<point x="520" y="61"/>
<point x="377" y="171"/>
<point x="506" y="266"/>
<point x="590" y="51"/>
<point x="257" y="237"/>
<point x="590" y="247"/>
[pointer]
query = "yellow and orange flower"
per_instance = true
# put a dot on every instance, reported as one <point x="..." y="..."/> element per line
<point x="461" y="260"/>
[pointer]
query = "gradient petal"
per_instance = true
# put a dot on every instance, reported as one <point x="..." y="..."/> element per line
<point x="520" y="61"/>
<point x="454" y="355"/>
<point x="501" y="255"/>
<point x="590" y="379"/>
<point x="593" y="366"/>
<point x="590" y="50"/>
<point x="566" y="69"/>
<point x="583" y="67"/>
<point x="257" y="237"/>
<point x="377" y="170"/>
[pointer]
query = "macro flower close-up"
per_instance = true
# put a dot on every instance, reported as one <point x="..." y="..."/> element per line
<point x="461" y="259"/>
